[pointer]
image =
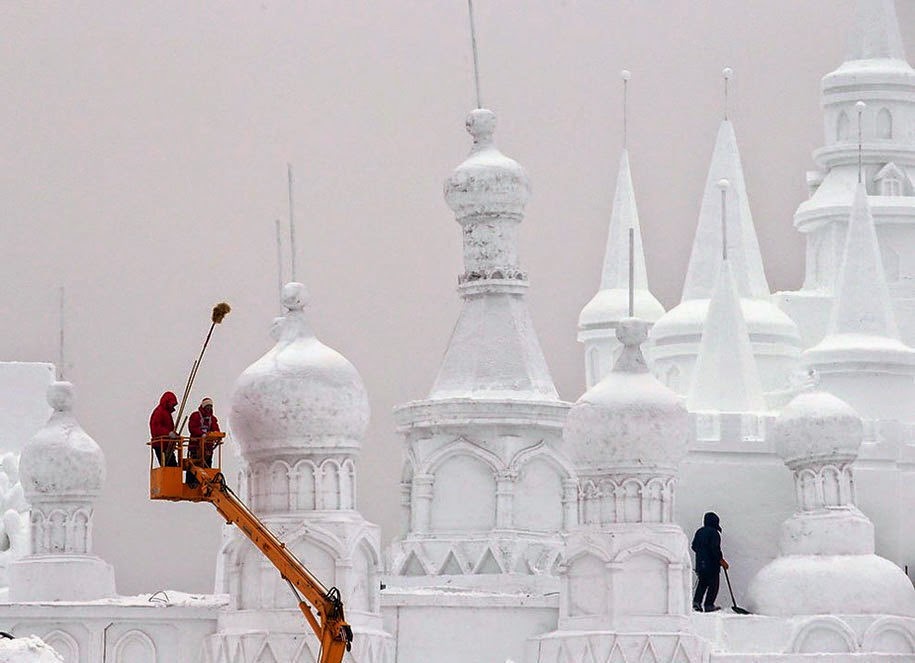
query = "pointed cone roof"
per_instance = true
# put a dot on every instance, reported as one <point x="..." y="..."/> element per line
<point x="875" y="35"/>
<point x="743" y="248"/>
<point x="862" y="304"/>
<point x="726" y="378"/>
<point x="625" y="215"/>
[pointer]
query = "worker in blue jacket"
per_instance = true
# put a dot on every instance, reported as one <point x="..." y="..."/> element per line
<point x="709" y="562"/>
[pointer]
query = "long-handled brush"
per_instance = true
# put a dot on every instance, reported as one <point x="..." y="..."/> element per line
<point x="734" y="606"/>
<point x="220" y="311"/>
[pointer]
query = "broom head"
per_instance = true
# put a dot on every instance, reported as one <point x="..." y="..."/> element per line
<point x="220" y="311"/>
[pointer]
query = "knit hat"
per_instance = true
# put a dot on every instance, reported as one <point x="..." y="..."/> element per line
<point x="205" y="402"/>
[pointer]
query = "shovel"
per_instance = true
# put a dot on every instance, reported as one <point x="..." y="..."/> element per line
<point x="734" y="606"/>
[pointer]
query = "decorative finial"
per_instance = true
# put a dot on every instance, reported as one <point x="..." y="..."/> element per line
<point x="860" y="106"/>
<point x="481" y="122"/>
<point x="291" y="219"/>
<point x="476" y="59"/>
<point x="631" y="333"/>
<point x="295" y="296"/>
<point x="727" y="73"/>
<point x="724" y="185"/>
<point x="626" y="75"/>
<point x="60" y="396"/>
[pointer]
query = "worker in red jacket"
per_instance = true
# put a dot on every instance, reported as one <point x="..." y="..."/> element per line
<point x="203" y="421"/>
<point x="162" y="430"/>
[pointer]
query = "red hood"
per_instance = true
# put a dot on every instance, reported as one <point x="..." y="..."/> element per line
<point x="168" y="399"/>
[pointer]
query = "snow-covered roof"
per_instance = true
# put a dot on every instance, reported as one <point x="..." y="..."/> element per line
<point x="875" y="33"/>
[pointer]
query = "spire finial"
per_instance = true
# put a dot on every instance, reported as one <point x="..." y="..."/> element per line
<point x="476" y="58"/>
<point x="291" y="219"/>
<point x="61" y="338"/>
<point x="727" y="73"/>
<point x="724" y="185"/>
<point x="860" y="106"/>
<point x="626" y="75"/>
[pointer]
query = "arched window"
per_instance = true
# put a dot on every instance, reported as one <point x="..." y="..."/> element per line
<point x="884" y="124"/>
<point x="842" y="127"/>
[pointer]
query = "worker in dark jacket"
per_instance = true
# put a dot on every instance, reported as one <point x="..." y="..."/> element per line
<point x="201" y="422"/>
<point x="162" y="430"/>
<point x="709" y="562"/>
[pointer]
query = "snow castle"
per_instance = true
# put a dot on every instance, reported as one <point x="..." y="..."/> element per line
<point x="556" y="532"/>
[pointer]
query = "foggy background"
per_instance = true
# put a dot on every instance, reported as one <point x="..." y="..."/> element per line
<point x="144" y="150"/>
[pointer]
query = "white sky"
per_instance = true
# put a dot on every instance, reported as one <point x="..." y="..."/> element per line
<point x="144" y="148"/>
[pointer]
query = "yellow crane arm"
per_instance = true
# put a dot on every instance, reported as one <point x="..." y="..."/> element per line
<point x="322" y="607"/>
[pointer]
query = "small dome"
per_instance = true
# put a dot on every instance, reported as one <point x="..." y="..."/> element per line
<point x="488" y="182"/>
<point x="301" y="394"/>
<point x="816" y="425"/>
<point x="628" y="419"/>
<point x="762" y="317"/>
<point x="61" y="460"/>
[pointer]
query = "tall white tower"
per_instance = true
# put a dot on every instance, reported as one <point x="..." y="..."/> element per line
<point x="875" y="71"/>
<point x="299" y="414"/>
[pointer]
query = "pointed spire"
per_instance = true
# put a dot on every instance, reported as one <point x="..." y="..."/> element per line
<point x="743" y="247"/>
<point x="625" y="215"/>
<point x="862" y="304"/>
<point x="875" y="34"/>
<point x="726" y="378"/>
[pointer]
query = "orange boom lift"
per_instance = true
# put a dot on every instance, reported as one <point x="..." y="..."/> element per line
<point x="191" y="481"/>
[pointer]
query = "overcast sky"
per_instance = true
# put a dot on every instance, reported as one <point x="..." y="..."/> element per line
<point x="144" y="149"/>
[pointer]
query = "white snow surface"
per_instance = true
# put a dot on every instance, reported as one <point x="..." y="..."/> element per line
<point x="817" y="425"/>
<point x="862" y="304"/>
<point x="301" y="393"/>
<point x="875" y="33"/>
<point x="743" y="246"/>
<point x="726" y="378"/>
<point x="31" y="649"/>
<point x="62" y="458"/>
<point x="487" y="181"/>
<point x="629" y="418"/>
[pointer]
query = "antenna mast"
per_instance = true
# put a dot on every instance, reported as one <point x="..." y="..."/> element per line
<point x="476" y="59"/>
<point x="291" y="219"/>
<point x="60" y="357"/>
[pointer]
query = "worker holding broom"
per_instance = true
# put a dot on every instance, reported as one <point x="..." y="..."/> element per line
<point x="709" y="562"/>
<point x="200" y="423"/>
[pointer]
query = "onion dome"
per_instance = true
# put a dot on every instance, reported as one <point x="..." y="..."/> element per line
<point x="817" y="426"/>
<point x="628" y="420"/>
<point x="61" y="459"/>
<point x="487" y="181"/>
<point x="301" y="394"/>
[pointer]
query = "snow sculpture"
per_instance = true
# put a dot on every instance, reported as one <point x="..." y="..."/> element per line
<point x="600" y="317"/>
<point x="27" y="650"/>
<point x="62" y="470"/>
<point x="485" y="491"/>
<point x="299" y="414"/>
<point x="875" y="71"/>
<point x="677" y="335"/>
<point x="827" y="563"/>
<point x="626" y="566"/>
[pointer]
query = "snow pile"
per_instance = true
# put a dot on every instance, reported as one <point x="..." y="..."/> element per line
<point x="27" y="650"/>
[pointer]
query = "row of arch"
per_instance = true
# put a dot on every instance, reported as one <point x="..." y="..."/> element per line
<point x="824" y="486"/>
<point x="628" y="500"/>
<point x="134" y="646"/>
<point x="61" y="531"/>
<point x="304" y="486"/>
<point x="831" y="635"/>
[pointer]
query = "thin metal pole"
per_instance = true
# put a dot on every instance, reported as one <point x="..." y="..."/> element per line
<point x="727" y="72"/>
<point x="626" y="75"/>
<point x="61" y="339"/>
<point x="631" y="272"/>
<point x="724" y="184"/>
<point x="476" y="58"/>
<point x="291" y="220"/>
<point x="860" y="106"/>
<point x="279" y="262"/>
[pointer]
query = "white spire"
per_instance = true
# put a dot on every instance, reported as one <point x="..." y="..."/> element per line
<point x="625" y="215"/>
<point x="862" y="304"/>
<point x="726" y="378"/>
<point x="875" y="35"/>
<point x="743" y="247"/>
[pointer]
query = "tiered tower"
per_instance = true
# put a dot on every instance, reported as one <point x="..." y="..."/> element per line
<point x="875" y="71"/>
<point x="827" y="564"/>
<point x="299" y="414"/>
<point x="62" y="470"/>
<point x="625" y="593"/>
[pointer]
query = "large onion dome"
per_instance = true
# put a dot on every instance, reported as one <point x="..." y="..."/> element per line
<point x="300" y="395"/>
